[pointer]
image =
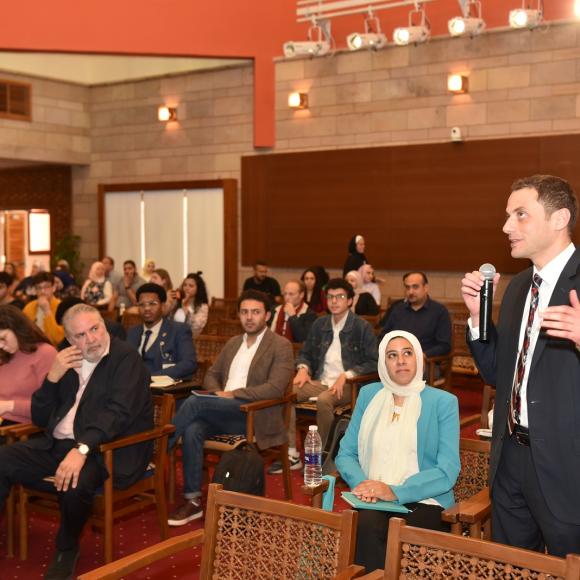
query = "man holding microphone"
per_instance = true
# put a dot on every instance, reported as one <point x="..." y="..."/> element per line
<point x="532" y="357"/>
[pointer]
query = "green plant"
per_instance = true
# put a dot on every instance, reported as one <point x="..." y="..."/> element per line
<point x="67" y="248"/>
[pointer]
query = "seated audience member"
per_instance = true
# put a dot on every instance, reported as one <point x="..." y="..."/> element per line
<point x="314" y="294"/>
<point x="5" y="295"/>
<point x="401" y="445"/>
<point x="162" y="277"/>
<point x="428" y="320"/>
<point x="262" y="282"/>
<point x="62" y="272"/>
<point x="148" y="269"/>
<point x="363" y="303"/>
<point x="42" y="311"/>
<point x="26" y="289"/>
<point x="113" y="327"/>
<point x="369" y="282"/>
<point x="97" y="290"/>
<point x="293" y="319"/>
<point x="10" y="268"/>
<point x="113" y="383"/>
<point x="26" y="356"/>
<point x="126" y="288"/>
<point x="236" y="379"/>
<point x="339" y="347"/>
<point x="192" y="307"/>
<point x="356" y="255"/>
<point x="110" y="273"/>
<point x="165" y="346"/>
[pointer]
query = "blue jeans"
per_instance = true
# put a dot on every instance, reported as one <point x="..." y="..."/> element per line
<point x="197" y="419"/>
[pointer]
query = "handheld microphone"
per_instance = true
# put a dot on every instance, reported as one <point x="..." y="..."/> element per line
<point x="485" y="301"/>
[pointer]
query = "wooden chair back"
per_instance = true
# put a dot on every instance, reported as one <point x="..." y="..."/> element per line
<point x="249" y="537"/>
<point x="130" y="319"/>
<point x="254" y="537"/>
<point x="229" y="327"/>
<point x="473" y="477"/>
<point x="372" y="319"/>
<point x="208" y="347"/>
<point x="414" y="552"/>
<point x="229" y="306"/>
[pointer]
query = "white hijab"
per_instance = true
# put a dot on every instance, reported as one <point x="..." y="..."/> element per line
<point x="384" y="449"/>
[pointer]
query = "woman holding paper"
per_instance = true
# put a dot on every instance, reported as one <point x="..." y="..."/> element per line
<point x="402" y="445"/>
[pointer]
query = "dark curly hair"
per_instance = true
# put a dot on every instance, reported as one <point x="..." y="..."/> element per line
<point x="27" y="333"/>
<point x="201" y="294"/>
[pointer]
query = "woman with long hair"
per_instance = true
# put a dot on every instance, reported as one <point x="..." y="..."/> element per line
<point x="97" y="290"/>
<point x="163" y="279"/>
<point x="192" y="306"/>
<point x="26" y="356"/>
<point x="402" y="446"/>
<point x="314" y="295"/>
<point x="148" y="269"/>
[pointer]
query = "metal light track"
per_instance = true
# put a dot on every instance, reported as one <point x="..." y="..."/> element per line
<point x="317" y="9"/>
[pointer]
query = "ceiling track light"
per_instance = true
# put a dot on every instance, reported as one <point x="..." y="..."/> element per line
<point x="371" y="38"/>
<point x="414" y="33"/>
<point x="318" y="43"/>
<point x="470" y="23"/>
<point x="526" y="17"/>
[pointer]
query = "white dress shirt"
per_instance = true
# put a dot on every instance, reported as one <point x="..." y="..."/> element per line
<point x="333" y="366"/>
<point x="64" y="428"/>
<point x="152" y="338"/>
<point x="240" y="367"/>
<point x="549" y="275"/>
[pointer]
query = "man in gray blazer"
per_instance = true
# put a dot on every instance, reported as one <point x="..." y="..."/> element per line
<point x="257" y="365"/>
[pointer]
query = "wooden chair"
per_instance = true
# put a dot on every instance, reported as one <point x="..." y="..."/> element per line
<point x="207" y="349"/>
<point x="229" y="327"/>
<point x="249" y="537"/>
<point x="439" y="371"/>
<point x="228" y="305"/>
<point x="130" y="318"/>
<point x="306" y="411"/>
<point x="112" y="503"/>
<point x="416" y="552"/>
<point x="470" y="490"/>
<point x="487" y="401"/>
<point x="220" y="444"/>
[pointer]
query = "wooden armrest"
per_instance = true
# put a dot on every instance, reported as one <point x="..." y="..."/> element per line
<point x="376" y="575"/>
<point x="133" y="562"/>
<point x="352" y="571"/>
<point x="438" y="358"/>
<point x="451" y="515"/>
<point x="476" y="508"/>
<point x="265" y="404"/>
<point x="359" y="379"/>
<point x="470" y="420"/>
<point x="312" y="490"/>
<point x="137" y="438"/>
<point x="22" y="431"/>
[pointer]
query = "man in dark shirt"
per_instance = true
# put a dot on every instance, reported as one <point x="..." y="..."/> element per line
<point x="428" y="320"/>
<point x="262" y="282"/>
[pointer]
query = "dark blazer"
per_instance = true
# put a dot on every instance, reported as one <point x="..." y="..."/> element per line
<point x="270" y="373"/>
<point x="174" y="345"/>
<point x="553" y="393"/>
<point x="116" y="402"/>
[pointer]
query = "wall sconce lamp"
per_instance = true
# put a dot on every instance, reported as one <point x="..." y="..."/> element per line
<point x="166" y="114"/>
<point x="457" y="84"/>
<point x="298" y="101"/>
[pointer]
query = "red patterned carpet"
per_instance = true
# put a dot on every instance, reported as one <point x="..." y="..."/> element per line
<point x="137" y="532"/>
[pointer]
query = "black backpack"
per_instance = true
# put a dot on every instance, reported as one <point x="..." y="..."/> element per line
<point x="241" y="469"/>
<point x="337" y="431"/>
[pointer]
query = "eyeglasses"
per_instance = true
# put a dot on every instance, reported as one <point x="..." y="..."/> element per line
<point x="335" y="297"/>
<point x="150" y="303"/>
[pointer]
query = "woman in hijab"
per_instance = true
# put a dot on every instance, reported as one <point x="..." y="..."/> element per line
<point x="363" y="303"/>
<point x="402" y="445"/>
<point x="369" y="281"/>
<point x="356" y="254"/>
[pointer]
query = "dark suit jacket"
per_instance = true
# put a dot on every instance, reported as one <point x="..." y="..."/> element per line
<point x="270" y="373"/>
<point x="116" y="402"/>
<point x="174" y="345"/>
<point x="553" y="393"/>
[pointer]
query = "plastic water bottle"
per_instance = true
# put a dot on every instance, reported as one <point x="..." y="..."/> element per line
<point x="312" y="457"/>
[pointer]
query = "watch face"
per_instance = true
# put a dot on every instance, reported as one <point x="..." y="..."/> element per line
<point x="83" y="449"/>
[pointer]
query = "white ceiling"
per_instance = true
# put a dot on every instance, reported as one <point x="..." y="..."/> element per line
<point x="98" y="69"/>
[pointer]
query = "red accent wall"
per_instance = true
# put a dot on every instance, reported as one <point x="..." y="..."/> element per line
<point x="219" y="28"/>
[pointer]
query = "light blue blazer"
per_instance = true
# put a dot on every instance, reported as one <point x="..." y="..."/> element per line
<point x="437" y="448"/>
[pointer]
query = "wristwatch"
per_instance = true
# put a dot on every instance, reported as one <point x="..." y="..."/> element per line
<point x="83" y="449"/>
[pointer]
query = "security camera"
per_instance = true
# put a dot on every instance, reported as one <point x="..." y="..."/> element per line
<point x="456" y="134"/>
